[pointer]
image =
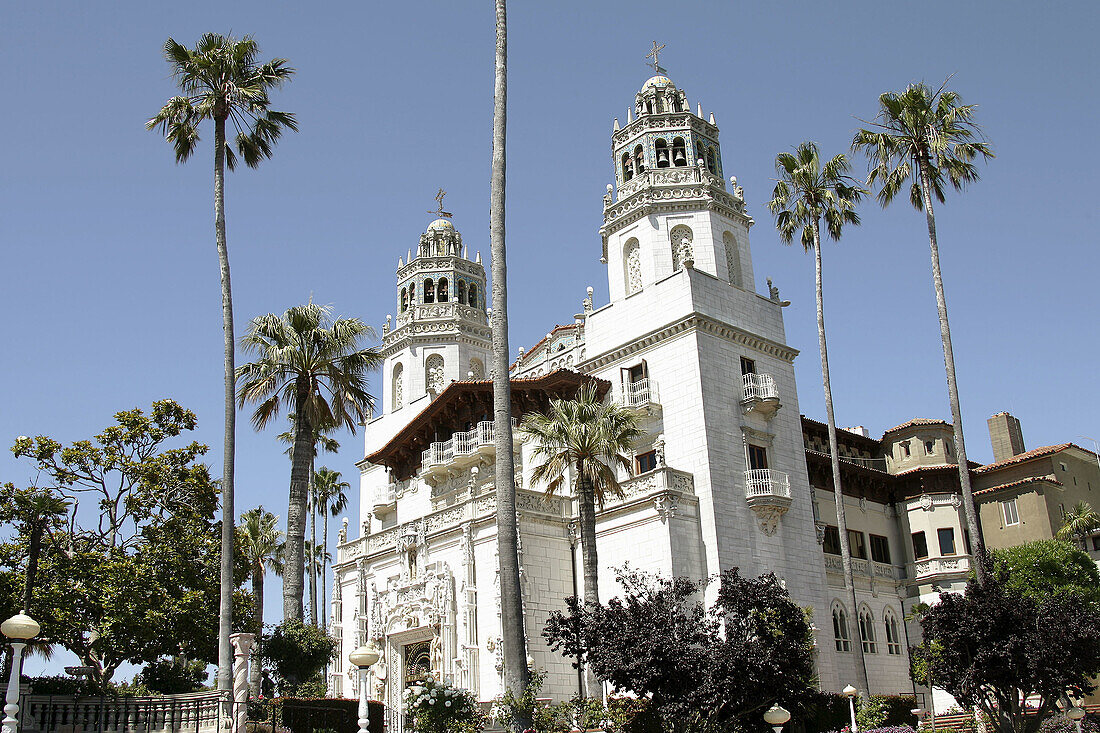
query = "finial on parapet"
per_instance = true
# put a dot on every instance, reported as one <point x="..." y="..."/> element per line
<point x="712" y="119"/>
<point x="616" y="127"/>
<point x="588" y="301"/>
<point x="400" y="263"/>
<point x="478" y="257"/>
<point x="699" y="110"/>
<point x="629" y="116"/>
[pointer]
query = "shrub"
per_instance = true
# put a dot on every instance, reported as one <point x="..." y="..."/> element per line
<point x="297" y="652"/>
<point x="172" y="676"/>
<point x="439" y="707"/>
<point x="1061" y="724"/>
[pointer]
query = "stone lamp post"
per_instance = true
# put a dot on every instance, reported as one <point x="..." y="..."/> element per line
<point x="19" y="628"/>
<point x="364" y="657"/>
<point x="851" y="693"/>
<point x="777" y="717"/>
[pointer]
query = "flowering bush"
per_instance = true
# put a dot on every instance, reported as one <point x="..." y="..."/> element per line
<point x="439" y="707"/>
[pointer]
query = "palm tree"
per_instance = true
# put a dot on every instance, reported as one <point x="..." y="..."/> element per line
<point x="262" y="543"/>
<point x="314" y="366"/>
<point x="588" y="439"/>
<point x="513" y="640"/>
<point x="329" y="498"/>
<point x="221" y="81"/>
<point x="1080" y="522"/>
<point x="930" y="137"/>
<point x="806" y="193"/>
<point x="321" y="441"/>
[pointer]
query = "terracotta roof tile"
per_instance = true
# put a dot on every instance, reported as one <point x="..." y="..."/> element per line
<point x="1021" y="482"/>
<point x="1032" y="454"/>
<point x="914" y="422"/>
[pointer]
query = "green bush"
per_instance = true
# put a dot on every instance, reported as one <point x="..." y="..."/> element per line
<point x="828" y="711"/>
<point x="297" y="652"/>
<point x="439" y="707"/>
<point x="172" y="676"/>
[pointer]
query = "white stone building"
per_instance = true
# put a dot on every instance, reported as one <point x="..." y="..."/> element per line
<point x="720" y="480"/>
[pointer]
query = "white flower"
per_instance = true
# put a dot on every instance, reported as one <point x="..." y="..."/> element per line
<point x="431" y="701"/>
<point x="448" y="703"/>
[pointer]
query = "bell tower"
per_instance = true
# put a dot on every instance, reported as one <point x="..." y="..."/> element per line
<point x="670" y="207"/>
<point x="441" y="333"/>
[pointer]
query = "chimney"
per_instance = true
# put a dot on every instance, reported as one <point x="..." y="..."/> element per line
<point x="1006" y="436"/>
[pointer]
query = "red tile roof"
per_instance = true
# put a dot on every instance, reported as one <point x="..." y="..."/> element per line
<point x="1021" y="482"/>
<point x="1046" y="450"/>
<point x="914" y="422"/>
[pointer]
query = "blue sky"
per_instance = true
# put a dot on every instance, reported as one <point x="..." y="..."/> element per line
<point x="110" y="277"/>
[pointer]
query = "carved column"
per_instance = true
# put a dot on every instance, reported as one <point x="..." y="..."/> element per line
<point x="242" y="646"/>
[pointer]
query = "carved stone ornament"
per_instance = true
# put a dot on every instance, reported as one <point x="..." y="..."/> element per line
<point x="666" y="505"/>
<point x="926" y="502"/>
<point x="819" y="527"/>
<point x="769" y="517"/>
<point x="956" y="501"/>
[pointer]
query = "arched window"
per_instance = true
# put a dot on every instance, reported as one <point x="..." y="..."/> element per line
<point x="733" y="259"/>
<point x="649" y="106"/>
<point x="404" y="299"/>
<point x="433" y="374"/>
<point x="712" y="160"/>
<point x="639" y="160"/>
<point x="679" y="152"/>
<point x="628" y="167"/>
<point x="471" y="295"/>
<point x="429" y="291"/>
<point x="700" y="153"/>
<point x="680" y="241"/>
<point x="660" y="103"/>
<point x="442" y="292"/>
<point x="661" y="147"/>
<point x="477" y="369"/>
<point x="462" y="292"/>
<point x="840" y="630"/>
<point x="867" y="631"/>
<point x="893" y="638"/>
<point x="676" y="105"/>
<point x="632" y="266"/>
<point x="398" y="388"/>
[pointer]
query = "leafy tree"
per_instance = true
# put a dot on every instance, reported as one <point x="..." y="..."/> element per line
<point x="708" y="669"/>
<point x="1080" y="522"/>
<point x="999" y="646"/>
<point x="140" y="579"/>
<point x="330" y="497"/>
<point x="221" y="81"/>
<point x="590" y="438"/>
<point x="296" y="652"/>
<point x="1042" y="568"/>
<point x="314" y="366"/>
<point x="806" y="192"/>
<point x="172" y="676"/>
<point x="262" y="545"/>
<point x="35" y="514"/>
<point x="930" y="137"/>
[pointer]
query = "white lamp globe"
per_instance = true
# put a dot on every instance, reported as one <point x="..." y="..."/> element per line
<point x="1075" y="713"/>
<point x="365" y="655"/>
<point x="20" y="627"/>
<point x="776" y="715"/>
<point x="850" y="691"/>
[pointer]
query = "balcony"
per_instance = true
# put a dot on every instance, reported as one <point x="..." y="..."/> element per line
<point x="759" y="394"/>
<point x="768" y="494"/>
<point x="385" y="500"/>
<point x="940" y="569"/>
<point x="640" y="395"/>
<point x="461" y="450"/>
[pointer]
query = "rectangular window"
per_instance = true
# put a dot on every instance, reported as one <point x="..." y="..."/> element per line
<point x="929" y="447"/>
<point x="1010" y="514"/>
<point x="920" y="546"/>
<point x="636" y="373"/>
<point x="758" y="457"/>
<point x="748" y="366"/>
<point x="880" y="548"/>
<point x="905" y="453"/>
<point x="832" y="540"/>
<point x="947" y="540"/>
<point x="856" y="544"/>
<point x="1096" y="543"/>
<point x="645" y="462"/>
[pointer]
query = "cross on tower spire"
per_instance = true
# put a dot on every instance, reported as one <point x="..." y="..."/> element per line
<point x="654" y="54"/>
<point x="440" y="212"/>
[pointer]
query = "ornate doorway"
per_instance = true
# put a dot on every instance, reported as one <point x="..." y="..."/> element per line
<point x="418" y="662"/>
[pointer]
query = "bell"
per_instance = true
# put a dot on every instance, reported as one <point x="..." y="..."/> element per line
<point x="678" y="157"/>
<point x="662" y="157"/>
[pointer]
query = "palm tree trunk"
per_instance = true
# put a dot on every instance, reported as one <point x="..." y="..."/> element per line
<point x="33" y="551"/>
<point x="586" y="508"/>
<point x="977" y="545"/>
<point x="516" y="674"/>
<point x="296" y="511"/>
<point x="324" y="566"/>
<point x="313" y="540"/>
<point x="258" y="592"/>
<point x="225" y="600"/>
<point x="834" y="459"/>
